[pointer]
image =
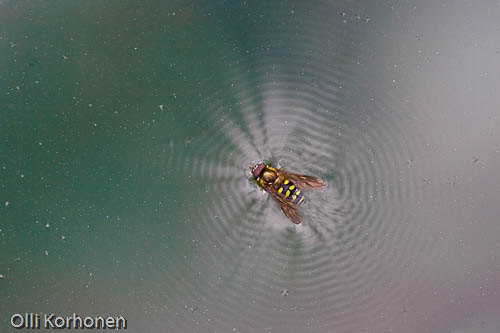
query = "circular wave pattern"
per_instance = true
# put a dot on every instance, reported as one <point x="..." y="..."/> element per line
<point x="256" y="271"/>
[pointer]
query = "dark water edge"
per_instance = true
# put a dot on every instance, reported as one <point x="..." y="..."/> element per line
<point x="128" y="128"/>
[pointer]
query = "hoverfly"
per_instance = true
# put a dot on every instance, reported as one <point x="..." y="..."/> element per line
<point x="286" y="187"/>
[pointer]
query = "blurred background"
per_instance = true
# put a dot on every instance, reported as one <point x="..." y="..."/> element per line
<point x="126" y="134"/>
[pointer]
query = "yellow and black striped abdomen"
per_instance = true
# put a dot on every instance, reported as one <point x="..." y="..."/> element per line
<point x="290" y="191"/>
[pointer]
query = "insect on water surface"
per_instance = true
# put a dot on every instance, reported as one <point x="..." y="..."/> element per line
<point x="285" y="187"/>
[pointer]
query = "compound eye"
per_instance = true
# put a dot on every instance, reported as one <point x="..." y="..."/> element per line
<point x="258" y="170"/>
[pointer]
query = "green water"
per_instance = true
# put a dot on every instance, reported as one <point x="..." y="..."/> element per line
<point x="127" y="130"/>
<point x="88" y="211"/>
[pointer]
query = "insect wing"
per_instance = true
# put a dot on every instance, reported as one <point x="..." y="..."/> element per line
<point x="291" y="212"/>
<point x="290" y="209"/>
<point x="303" y="181"/>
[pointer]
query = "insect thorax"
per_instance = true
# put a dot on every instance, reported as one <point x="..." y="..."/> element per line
<point x="269" y="176"/>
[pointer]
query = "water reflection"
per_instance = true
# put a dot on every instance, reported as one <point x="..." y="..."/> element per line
<point x="306" y="98"/>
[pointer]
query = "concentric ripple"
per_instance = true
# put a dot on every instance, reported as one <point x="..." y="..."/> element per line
<point x="292" y="104"/>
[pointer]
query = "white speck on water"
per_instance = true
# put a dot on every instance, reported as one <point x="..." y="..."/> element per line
<point x="46" y="252"/>
<point x="22" y="175"/>
<point x="161" y="106"/>
<point x="63" y="237"/>
<point x="7" y="203"/>
<point x="47" y="225"/>
<point x="65" y="57"/>
<point x="40" y="143"/>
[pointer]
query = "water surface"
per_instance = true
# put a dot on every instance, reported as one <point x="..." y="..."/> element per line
<point x="128" y="129"/>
